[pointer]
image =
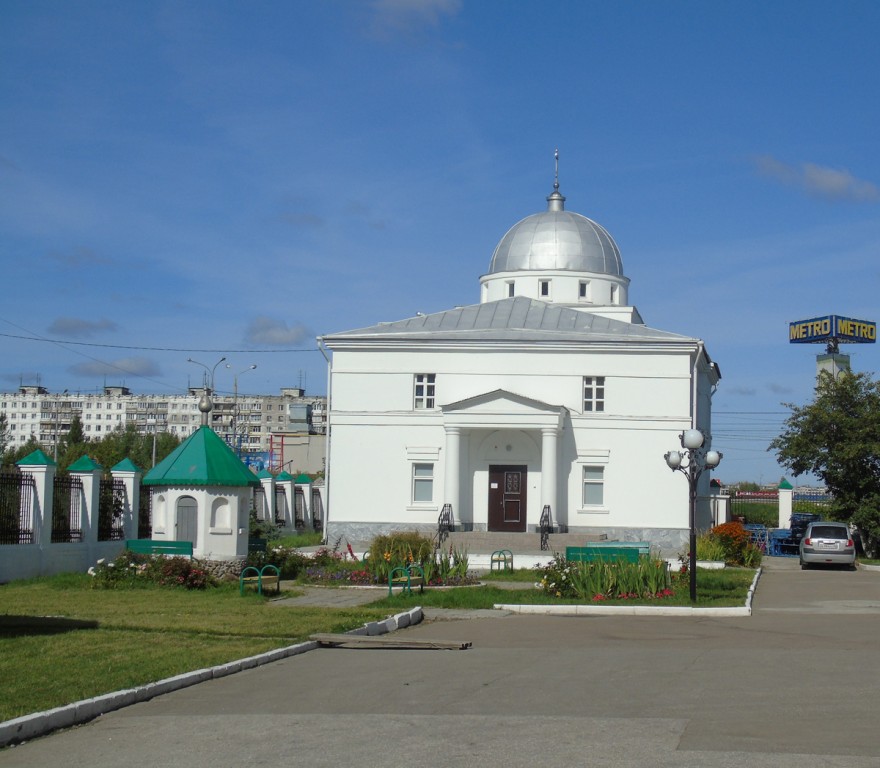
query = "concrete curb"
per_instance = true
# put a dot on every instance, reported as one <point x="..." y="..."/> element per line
<point x="636" y="610"/>
<point x="40" y="723"/>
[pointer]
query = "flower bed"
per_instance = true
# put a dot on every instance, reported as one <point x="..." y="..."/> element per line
<point x="649" y="578"/>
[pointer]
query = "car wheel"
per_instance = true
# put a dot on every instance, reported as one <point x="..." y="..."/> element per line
<point x="804" y="566"/>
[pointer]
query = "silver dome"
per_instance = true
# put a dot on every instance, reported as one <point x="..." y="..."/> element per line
<point x="557" y="239"/>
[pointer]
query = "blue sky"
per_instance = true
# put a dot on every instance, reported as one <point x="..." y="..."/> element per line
<point x="199" y="179"/>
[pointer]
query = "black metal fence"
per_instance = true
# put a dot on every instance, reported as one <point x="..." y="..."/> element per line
<point x="111" y="507"/>
<point x="66" y="512"/>
<point x="17" y="494"/>
<point x="280" y="505"/>
<point x="145" y="513"/>
<point x="260" y="504"/>
<point x="317" y="510"/>
<point x="299" y="509"/>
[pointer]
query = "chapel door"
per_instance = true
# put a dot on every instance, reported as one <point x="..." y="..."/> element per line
<point x="187" y="520"/>
<point x="507" y="498"/>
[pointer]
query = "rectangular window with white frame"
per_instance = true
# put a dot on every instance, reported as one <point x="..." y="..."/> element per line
<point x="544" y="289"/>
<point x="594" y="394"/>
<point x="510" y="289"/>
<point x="594" y="486"/>
<point x="423" y="483"/>
<point x="424" y="396"/>
<point x="584" y="290"/>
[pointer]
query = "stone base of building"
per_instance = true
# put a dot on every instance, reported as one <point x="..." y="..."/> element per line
<point x="667" y="542"/>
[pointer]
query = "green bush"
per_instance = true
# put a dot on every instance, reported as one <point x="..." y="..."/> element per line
<point x="729" y="542"/>
<point x="288" y="560"/>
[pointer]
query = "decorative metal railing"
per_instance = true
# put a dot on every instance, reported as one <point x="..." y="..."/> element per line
<point x="546" y="528"/>
<point x="317" y="510"/>
<point x="280" y="505"/>
<point x="445" y="523"/>
<point x="111" y="507"/>
<point x="17" y="494"/>
<point x="259" y="500"/>
<point x="66" y="513"/>
<point x="145" y="513"/>
<point x="299" y="509"/>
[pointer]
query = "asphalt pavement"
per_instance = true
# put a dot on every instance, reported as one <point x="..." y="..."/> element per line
<point x="792" y="685"/>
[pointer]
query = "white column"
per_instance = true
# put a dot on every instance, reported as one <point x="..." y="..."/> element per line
<point x="452" y="476"/>
<point x="268" y="484"/>
<point x="91" y="503"/>
<point x="41" y="508"/>
<point x="549" y="481"/>
<point x="786" y="496"/>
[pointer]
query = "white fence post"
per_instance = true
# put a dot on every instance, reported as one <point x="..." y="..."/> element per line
<point x="130" y="475"/>
<point x="786" y="499"/>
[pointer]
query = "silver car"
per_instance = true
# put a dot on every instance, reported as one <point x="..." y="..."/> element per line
<point x="827" y="543"/>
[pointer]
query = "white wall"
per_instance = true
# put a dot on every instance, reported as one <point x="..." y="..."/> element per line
<point x="648" y="403"/>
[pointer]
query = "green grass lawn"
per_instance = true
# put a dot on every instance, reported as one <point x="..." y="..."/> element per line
<point x="142" y="635"/>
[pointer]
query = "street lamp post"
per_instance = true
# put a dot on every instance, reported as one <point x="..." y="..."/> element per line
<point x="235" y="437"/>
<point x="692" y="462"/>
<point x="205" y="404"/>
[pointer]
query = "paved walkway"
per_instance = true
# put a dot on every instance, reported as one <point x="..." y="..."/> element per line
<point x="793" y="686"/>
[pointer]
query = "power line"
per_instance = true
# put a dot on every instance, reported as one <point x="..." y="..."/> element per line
<point x="160" y="349"/>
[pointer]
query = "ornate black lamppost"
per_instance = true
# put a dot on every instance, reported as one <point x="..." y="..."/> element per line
<point x="692" y="462"/>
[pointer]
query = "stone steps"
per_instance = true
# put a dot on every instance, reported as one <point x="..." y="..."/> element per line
<point x="482" y="542"/>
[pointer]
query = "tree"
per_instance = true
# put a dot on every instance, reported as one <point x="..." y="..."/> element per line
<point x="5" y="437"/>
<point x="75" y="435"/>
<point x="837" y="438"/>
<point x="14" y="454"/>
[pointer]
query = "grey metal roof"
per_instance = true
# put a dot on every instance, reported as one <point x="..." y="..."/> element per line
<point x="557" y="239"/>
<point x="514" y="319"/>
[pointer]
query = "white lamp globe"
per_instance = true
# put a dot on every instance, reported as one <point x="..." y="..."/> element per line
<point x="692" y="439"/>
<point x="713" y="458"/>
<point x="673" y="459"/>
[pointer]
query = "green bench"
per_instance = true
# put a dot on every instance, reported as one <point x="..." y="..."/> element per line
<point x="502" y="559"/>
<point x="262" y="577"/>
<point x="609" y="552"/>
<point x="159" y="547"/>
<point x="406" y="577"/>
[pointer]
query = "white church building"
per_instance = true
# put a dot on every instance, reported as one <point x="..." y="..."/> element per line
<point x="550" y="394"/>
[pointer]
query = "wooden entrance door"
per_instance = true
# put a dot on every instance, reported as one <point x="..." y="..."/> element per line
<point x="507" y="498"/>
<point x="187" y="528"/>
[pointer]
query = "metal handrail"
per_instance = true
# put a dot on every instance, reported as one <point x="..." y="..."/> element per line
<point x="445" y="523"/>
<point x="546" y="525"/>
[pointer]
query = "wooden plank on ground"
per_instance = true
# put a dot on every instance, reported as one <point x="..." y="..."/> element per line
<point x="388" y="641"/>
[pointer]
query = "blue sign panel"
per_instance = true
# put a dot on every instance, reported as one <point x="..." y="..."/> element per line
<point x="822" y="329"/>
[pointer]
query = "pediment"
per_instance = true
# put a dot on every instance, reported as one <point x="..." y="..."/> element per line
<point x="501" y="409"/>
<point x="501" y="401"/>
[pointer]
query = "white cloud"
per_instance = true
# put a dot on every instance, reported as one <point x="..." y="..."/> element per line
<point x="128" y="366"/>
<point x="75" y="327"/>
<point x="408" y="16"/>
<point x="266" y="330"/>
<point x="831" y="183"/>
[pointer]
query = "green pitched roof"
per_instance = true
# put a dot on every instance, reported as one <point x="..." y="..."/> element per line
<point x="784" y="485"/>
<point x="264" y="474"/>
<point x="84" y="464"/>
<point x="202" y="459"/>
<point x="126" y="465"/>
<point x="303" y="478"/>
<point x="36" y="458"/>
<point x="282" y="476"/>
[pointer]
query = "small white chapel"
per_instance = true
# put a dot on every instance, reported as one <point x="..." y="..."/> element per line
<point x="550" y="395"/>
